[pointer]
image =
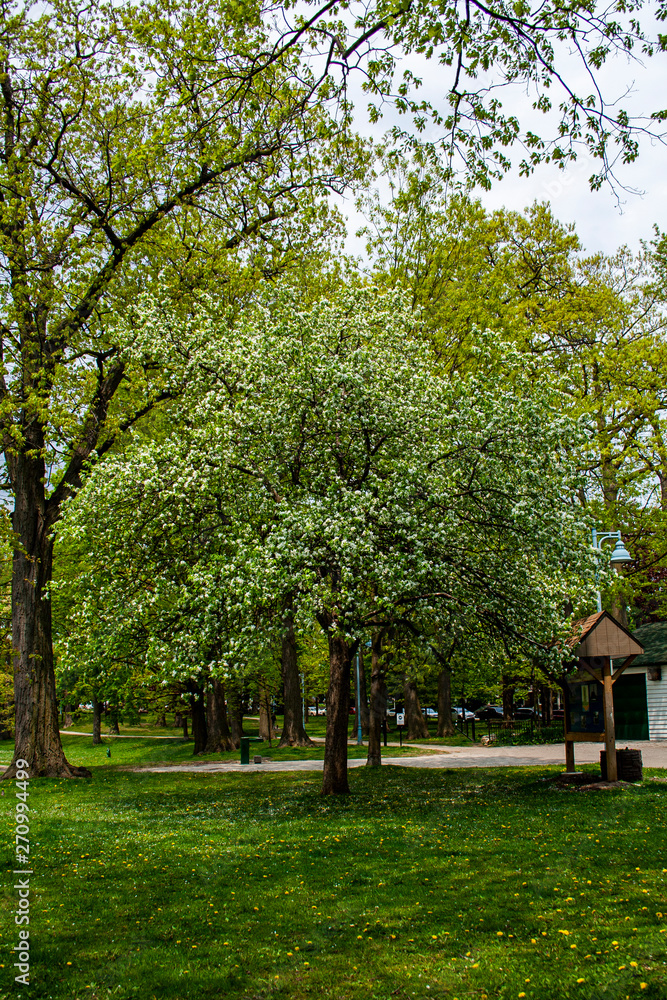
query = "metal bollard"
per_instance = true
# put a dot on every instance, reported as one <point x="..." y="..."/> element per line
<point x="245" y="749"/>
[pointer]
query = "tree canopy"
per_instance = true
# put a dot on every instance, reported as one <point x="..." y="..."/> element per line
<point x="363" y="488"/>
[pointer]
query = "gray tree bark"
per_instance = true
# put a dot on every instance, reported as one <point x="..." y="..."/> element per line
<point x="97" y="722"/>
<point x="235" y="705"/>
<point x="218" y="735"/>
<point x="378" y="711"/>
<point x="445" y="725"/>
<point x="293" y="733"/>
<point x="334" y="778"/>
<point x="416" y="723"/>
<point x="198" y="708"/>
<point x="36" y="710"/>
<point x="363" y="699"/>
<point x="508" y="697"/>
<point x="266" y="730"/>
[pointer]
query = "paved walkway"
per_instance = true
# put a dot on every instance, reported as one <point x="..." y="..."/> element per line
<point x="654" y="754"/>
<point x="119" y="736"/>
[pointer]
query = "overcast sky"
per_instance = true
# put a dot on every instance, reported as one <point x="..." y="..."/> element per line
<point x="605" y="220"/>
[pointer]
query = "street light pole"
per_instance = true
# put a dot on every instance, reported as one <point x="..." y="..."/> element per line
<point x="619" y="556"/>
<point x="303" y="701"/>
<point x="359" y="737"/>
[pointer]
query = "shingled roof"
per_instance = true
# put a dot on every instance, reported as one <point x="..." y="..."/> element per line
<point x="601" y="635"/>
<point x="653" y="638"/>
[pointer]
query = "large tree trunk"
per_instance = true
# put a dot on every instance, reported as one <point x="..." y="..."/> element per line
<point x="361" y="698"/>
<point x="236" y="713"/>
<point x="37" y="734"/>
<point x="334" y="780"/>
<point x="508" y="698"/>
<point x="114" y="728"/>
<point x="293" y="734"/>
<point x="445" y="725"/>
<point x="218" y="736"/>
<point x="416" y="723"/>
<point x="266" y="730"/>
<point x="198" y="717"/>
<point x="619" y="610"/>
<point x="97" y="722"/>
<point x="378" y="712"/>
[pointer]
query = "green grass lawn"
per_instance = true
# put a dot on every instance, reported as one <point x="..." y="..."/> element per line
<point x="426" y="884"/>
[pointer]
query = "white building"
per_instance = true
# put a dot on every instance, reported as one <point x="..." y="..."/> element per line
<point x="640" y="694"/>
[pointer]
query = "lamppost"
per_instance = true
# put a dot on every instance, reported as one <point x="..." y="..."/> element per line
<point x="359" y="735"/>
<point x="619" y="556"/>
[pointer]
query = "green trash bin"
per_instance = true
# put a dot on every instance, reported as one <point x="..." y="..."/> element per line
<point x="245" y="749"/>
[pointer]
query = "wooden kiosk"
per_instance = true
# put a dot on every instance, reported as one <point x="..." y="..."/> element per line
<point x="597" y="642"/>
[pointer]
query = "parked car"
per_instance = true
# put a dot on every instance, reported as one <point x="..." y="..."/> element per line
<point x="431" y="713"/>
<point x="312" y="710"/>
<point x="457" y="714"/>
<point x="525" y="713"/>
<point x="558" y="714"/>
<point x="489" y="712"/>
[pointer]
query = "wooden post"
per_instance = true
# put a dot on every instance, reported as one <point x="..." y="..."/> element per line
<point x="569" y="744"/>
<point x="609" y="728"/>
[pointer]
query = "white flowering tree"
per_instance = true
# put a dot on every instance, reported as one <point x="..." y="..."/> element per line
<point x="328" y="470"/>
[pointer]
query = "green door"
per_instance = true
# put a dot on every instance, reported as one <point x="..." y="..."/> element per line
<point x="630" y="710"/>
